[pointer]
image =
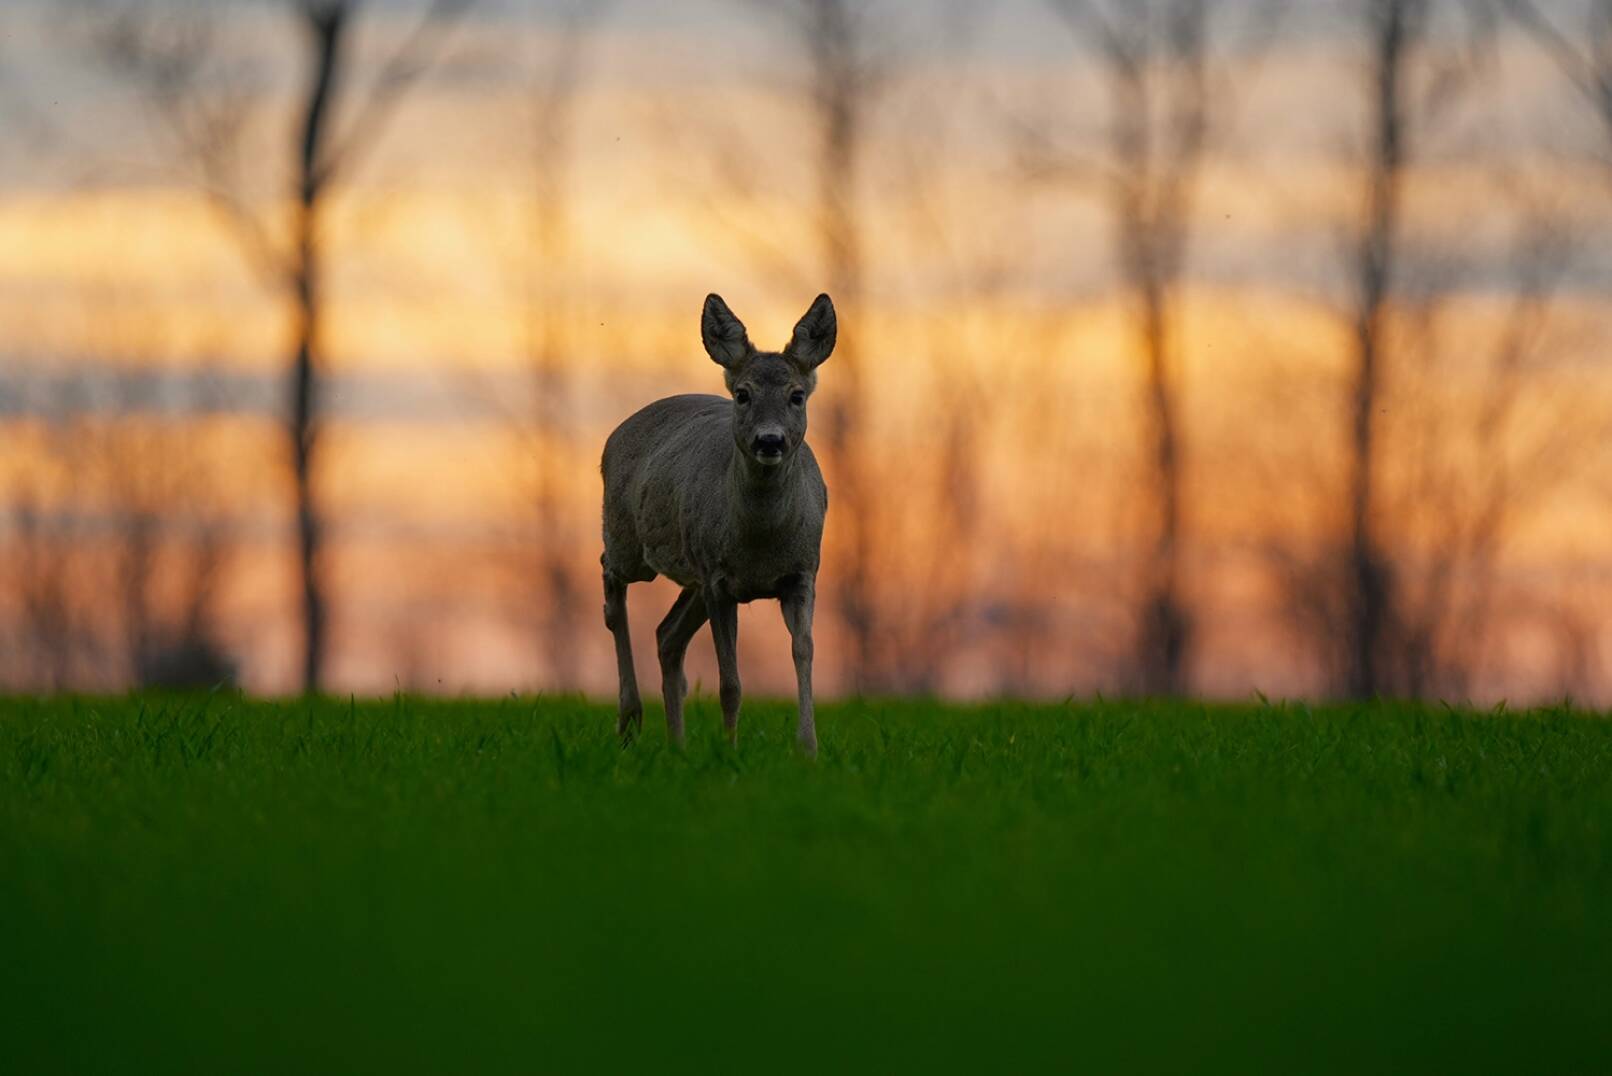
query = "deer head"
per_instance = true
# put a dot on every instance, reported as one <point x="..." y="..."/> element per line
<point x="769" y="388"/>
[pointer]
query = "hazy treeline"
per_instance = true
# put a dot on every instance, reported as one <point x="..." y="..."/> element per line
<point x="1186" y="347"/>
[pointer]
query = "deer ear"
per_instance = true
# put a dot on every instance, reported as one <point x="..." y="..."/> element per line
<point x="724" y="335"/>
<point x="814" y="335"/>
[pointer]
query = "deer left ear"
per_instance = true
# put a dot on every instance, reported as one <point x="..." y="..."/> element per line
<point x="723" y="334"/>
<point x="814" y="335"/>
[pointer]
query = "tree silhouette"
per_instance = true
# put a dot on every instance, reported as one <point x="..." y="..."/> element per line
<point x="173" y="53"/>
<point x="1168" y="90"/>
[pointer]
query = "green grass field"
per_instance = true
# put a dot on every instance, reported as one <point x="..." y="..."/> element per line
<point x="220" y="885"/>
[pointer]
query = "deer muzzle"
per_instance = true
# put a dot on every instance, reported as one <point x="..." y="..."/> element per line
<point x="768" y="448"/>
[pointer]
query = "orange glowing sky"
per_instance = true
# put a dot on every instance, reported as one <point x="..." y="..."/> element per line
<point x="981" y="285"/>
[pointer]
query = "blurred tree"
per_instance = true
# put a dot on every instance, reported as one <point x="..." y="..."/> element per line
<point x="926" y="582"/>
<point x="843" y="80"/>
<point x="1393" y="28"/>
<point x="1583" y="55"/>
<point x="1169" y="88"/>
<point x="1457" y="426"/>
<point x="119" y="535"/>
<point x="47" y="615"/>
<point x="175" y="53"/>
<point x="534" y="247"/>
<point x="1585" y="58"/>
<point x="549" y="304"/>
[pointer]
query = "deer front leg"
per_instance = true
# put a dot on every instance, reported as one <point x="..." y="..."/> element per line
<point x="630" y="708"/>
<point x="797" y="606"/>
<point x="672" y="639"/>
<point x="725" y="634"/>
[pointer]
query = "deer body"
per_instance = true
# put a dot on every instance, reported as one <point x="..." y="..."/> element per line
<point x="724" y="497"/>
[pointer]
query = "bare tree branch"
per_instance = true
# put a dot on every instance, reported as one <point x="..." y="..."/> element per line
<point x="414" y="56"/>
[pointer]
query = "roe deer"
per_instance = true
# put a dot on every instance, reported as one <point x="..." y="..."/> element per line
<point x="724" y="497"/>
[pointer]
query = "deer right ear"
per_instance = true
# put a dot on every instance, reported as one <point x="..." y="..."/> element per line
<point x="813" y="340"/>
<point x="725" y="339"/>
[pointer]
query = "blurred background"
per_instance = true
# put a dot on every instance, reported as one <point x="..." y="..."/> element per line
<point x="1186" y="347"/>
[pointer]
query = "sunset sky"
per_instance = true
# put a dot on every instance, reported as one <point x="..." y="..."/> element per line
<point x="688" y="170"/>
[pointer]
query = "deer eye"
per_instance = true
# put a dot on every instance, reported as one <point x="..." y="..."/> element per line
<point x="797" y="398"/>
<point x="741" y="396"/>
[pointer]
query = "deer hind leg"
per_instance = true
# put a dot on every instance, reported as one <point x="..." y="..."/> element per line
<point x="797" y="607"/>
<point x="630" y="708"/>
<point x="725" y="634"/>
<point x="671" y="642"/>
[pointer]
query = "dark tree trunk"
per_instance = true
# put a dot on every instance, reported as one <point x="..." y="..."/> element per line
<point x="1369" y="580"/>
<point x="1159" y="128"/>
<point x="839" y="95"/>
<point x="1165" y="627"/>
<point x="549" y="312"/>
<point x="559" y="592"/>
<point x="326" y="25"/>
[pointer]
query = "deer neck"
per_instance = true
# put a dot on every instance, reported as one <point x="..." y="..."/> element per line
<point x="761" y="497"/>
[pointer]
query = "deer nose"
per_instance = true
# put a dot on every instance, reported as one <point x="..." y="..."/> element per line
<point x="769" y="443"/>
